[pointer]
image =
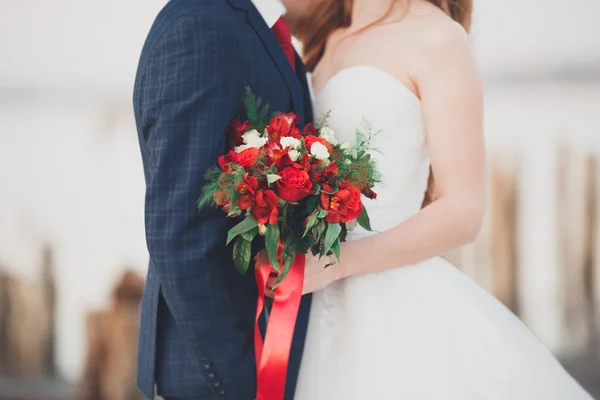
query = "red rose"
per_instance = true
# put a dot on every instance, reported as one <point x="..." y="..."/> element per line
<point x="266" y="207"/>
<point x="310" y="140"/>
<point x="247" y="158"/>
<point x="234" y="132"/>
<point x="343" y="206"/>
<point x="247" y="188"/>
<point x="320" y="175"/>
<point x="224" y="161"/>
<point x="310" y="130"/>
<point x="295" y="184"/>
<point x="277" y="128"/>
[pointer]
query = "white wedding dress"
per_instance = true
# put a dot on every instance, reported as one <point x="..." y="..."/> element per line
<point x="423" y="332"/>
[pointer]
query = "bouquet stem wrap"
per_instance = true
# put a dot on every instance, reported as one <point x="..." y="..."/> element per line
<point x="272" y="355"/>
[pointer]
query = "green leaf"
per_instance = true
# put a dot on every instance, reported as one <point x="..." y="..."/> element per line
<point x="312" y="203"/>
<point x="246" y="225"/>
<point x="364" y="220"/>
<point x="333" y="231"/>
<point x="272" y="244"/>
<point x="311" y="222"/>
<point x="316" y="188"/>
<point x="235" y="210"/>
<point x="271" y="178"/>
<point x="319" y="229"/>
<point x="336" y="250"/>
<point x="288" y="255"/>
<point x="242" y="252"/>
<point x="249" y="236"/>
<point x="323" y="213"/>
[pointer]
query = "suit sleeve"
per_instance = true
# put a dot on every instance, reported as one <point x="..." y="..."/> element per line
<point x="188" y="100"/>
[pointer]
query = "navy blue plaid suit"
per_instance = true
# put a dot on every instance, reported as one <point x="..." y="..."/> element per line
<point x="197" y="313"/>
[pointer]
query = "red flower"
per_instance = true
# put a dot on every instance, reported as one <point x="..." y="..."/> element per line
<point x="310" y="140"/>
<point x="234" y="133"/>
<point x="283" y="125"/>
<point x="310" y="130"/>
<point x="266" y="207"/>
<point x="247" y="158"/>
<point x="291" y="118"/>
<point x="278" y="128"/>
<point x="343" y="206"/>
<point x="247" y="188"/>
<point x="369" y="193"/>
<point x="295" y="184"/>
<point x="224" y="161"/>
<point x="319" y="175"/>
<point x="276" y="155"/>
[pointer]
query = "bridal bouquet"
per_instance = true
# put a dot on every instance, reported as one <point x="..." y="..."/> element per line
<point x="296" y="190"/>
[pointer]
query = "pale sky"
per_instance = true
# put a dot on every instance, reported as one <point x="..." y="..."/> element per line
<point x="79" y="43"/>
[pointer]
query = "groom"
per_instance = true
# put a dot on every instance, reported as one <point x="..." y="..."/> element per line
<point x="198" y="312"/>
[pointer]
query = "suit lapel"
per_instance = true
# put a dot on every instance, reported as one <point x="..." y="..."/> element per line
<point x="275" y="52"/>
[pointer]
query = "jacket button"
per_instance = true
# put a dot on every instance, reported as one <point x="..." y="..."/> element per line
<point x="222" y="391"/>
<point x="205" y="362"/>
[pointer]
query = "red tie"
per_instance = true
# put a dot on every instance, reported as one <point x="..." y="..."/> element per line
<point x="281" y="30"/>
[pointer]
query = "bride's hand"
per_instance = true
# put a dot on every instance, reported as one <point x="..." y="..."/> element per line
<point x="318" y="275"/>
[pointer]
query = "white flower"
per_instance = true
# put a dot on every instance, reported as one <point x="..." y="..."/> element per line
<point x="328" y="134"/>
<point x="348" y="148"/>
<point x="253" y="138"/>
<point x="291" y="142"/>
<point x="319" y="151"/>
<point x="294" y="155"/>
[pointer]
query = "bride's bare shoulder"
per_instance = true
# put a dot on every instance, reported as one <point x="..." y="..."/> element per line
<point x="430" y="27"/>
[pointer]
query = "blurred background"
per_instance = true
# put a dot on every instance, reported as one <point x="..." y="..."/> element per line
<point x="72" y="247"/>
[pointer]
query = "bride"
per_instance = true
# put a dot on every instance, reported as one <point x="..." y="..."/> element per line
<point x="393" y="320"/>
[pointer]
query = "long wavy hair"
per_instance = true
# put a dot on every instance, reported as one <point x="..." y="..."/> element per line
<point x="330" y="15"/>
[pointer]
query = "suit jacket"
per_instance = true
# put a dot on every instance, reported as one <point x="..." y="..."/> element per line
<point x="198" y="311"/>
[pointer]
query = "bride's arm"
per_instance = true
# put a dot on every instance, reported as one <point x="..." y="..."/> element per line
<point x="451" y="95"/>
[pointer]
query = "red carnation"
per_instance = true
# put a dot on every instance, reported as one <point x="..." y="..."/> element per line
<point x="295" y="184"/>
<point x="247" y="188"/>
<point x="266" y="207"/>
<point x="234" y="133"/>
<point x="343" y="206"/>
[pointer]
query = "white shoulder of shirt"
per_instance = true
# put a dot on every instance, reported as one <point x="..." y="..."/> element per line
<point x="271" y="10"/>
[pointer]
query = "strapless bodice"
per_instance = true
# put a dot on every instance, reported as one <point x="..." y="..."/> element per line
<point x="357" y="96"/>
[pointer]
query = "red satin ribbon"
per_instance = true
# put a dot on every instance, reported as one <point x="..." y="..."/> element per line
<point x="273" y="355"/>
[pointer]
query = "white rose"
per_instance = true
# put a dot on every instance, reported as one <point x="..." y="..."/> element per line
<point x="253" y="138"/>
<point x="328" y="134"/>
<point x="294" y="155"/>
<point x="291" y="142"/>
<point x="319" y="151"/>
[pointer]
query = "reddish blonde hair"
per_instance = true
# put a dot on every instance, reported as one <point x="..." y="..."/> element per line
<point x="330" y="15"/>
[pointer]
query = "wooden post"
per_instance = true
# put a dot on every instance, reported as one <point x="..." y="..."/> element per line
<point x="574" y="193"/>
<point x="502" y="239"/>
